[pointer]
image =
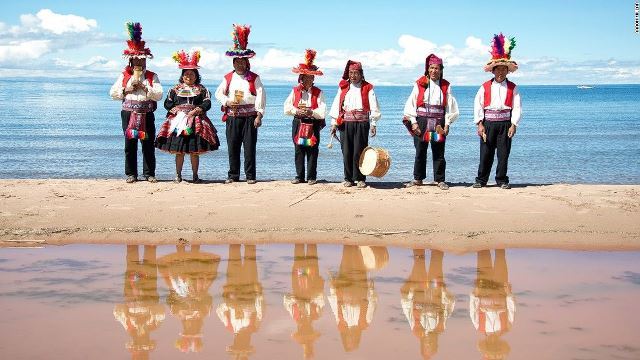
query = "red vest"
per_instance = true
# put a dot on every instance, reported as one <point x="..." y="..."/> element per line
<point x="364" y="92"/>
<point x="249" y="76"/>
<point x="128" y="73"/>
<point x="423" y="84"/>
<point x="297" y="94"/>
<point x="487" y="93"/>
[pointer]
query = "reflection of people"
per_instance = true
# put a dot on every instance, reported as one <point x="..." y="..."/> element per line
<point x="306" y="302"/>
<point x="187" y="129"/>
<point x="141" y="313"/>
<point x="243" y="303"/>
<point x="139" y="90"/>
<point x="189" y="274"/>
<point x="497" y="111"/>
<point x="492" y="305"/>
<point x="426" y="302"/>
<point x="428" y="112"/>
<point x="352" y="296"/>
<point x="307" y="106"/>
<point x="243" y="101"/>
<point x="354" y="111"/>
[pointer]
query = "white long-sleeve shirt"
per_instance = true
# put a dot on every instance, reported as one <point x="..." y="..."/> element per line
<point x="319" y="113"/>
<point x="498" y="95"/>
<point x="238" y="82"/>
<point x="154" y="92"/>
<point x="432" y="96"/>
<point x="353" y="101"/>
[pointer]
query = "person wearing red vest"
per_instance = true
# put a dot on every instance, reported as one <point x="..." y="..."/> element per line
<point x="243" y="101"/>
<point x="426" y="302"/>
<point x="492" y="306"/>
<point x="139" y="90"/>
<point x="497" y="111"/>
<point x="355" y="112"/>
<point x="307" y="106"/>
<point x="428" y="113"/>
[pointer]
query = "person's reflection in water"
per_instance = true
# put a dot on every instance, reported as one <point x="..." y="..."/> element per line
<point x="243" y="304"/>
<point x="142" y="312"/>
<point x="188" y="275"/>
<point x="306" y="302"/>
<point x="351" y="294"/>
<point x="491" y="305"/>
<point x="426" y="302"/>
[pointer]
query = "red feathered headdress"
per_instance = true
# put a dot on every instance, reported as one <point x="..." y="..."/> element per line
<point x="308" y="68"/>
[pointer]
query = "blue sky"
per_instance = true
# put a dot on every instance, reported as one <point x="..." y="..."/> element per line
<point x="558" y="42"/>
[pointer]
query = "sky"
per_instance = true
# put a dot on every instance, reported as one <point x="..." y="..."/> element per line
<point x="558" y="42"/>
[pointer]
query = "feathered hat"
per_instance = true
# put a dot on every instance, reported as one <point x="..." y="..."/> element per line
<point x="135" y="44"/>
<point x="308" y="68"/>
<point x="501" y="53"/>
<point x="186" y="61"/>
<point x="240" y="35"/>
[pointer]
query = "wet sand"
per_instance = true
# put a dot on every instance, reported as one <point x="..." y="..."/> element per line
<point x="587" y="217"/>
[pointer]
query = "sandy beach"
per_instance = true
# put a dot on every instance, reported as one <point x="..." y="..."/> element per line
<point x="589" y="217"/>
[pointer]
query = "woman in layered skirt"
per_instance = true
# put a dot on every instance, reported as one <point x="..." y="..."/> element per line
<point x="187" y="129"/>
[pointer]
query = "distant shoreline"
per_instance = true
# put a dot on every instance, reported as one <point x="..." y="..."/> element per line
<point x="576" y="217"/>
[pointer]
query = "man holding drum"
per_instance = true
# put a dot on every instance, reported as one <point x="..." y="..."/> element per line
<point x="428" y="113"/>
<point x="355" y="112"/>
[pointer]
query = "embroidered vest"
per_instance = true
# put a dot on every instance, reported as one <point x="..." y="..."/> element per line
<point x="128" y="73"/>
<point x="249" y="76"/>
<point x="364" y="92"/>
<point x="297" y="95"/>
<point x="423" y="85"/>
<point x="487" y="93"/>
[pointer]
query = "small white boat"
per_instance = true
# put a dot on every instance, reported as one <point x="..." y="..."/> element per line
<point x="585" y="87"/>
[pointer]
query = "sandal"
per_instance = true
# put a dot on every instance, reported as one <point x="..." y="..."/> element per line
<point x="131" y="179"/>
<point x="196" y="180"/>
<point x="178" y="179"/>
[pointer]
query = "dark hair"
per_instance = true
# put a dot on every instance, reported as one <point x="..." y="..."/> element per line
<point x="426" y="71"/>
<point x="198" y="78"/>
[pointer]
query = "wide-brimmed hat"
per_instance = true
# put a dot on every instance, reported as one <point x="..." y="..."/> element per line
<point x="308" y="68"/>
<point x="240" y="35"/>
<point x="501" y="53"/>
<point x="186" y="61"/>
<point x="135" y="45"/>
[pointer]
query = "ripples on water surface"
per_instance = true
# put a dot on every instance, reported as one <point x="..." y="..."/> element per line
<point x="329" y="301"/>
<point x="72" y="129"/>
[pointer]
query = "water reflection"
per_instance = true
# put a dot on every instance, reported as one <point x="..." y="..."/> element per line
<point x="306" y="301"/>
<point x="243" y="303"/>
<point x="142" y="312"/>
<point x="492" y="305"/>
<point x="426" y="302"/>
<point x="351" y="293"/>
<point x="188" y="275"/>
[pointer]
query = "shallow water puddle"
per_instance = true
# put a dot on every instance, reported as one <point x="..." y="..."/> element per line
<point x="325" y="301"/>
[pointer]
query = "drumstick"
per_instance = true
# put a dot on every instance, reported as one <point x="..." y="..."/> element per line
<point x="330" y="144"/>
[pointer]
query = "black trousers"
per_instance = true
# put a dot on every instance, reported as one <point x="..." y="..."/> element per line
<point x="308" y="152"/>
<point x="242" y="132"/>
<point x="437" y="153"/>
<point x="354" y="137"/>
<point x="148" y="148"/>
<point x="497" y="139"/>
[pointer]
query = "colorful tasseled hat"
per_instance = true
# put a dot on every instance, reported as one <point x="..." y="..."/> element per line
<point x="186" y="61"/>
<point x="501" y="53"/>
<point x="240" y="36"/>
<point x="135" y="44"/>
<point x="308" y="68"/>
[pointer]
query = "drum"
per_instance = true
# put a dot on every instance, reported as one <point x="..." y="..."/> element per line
<point x="374" y="161"/>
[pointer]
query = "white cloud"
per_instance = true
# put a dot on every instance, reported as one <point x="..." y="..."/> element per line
<point x="18" y="52"/>
<point x="46" y="21"/>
